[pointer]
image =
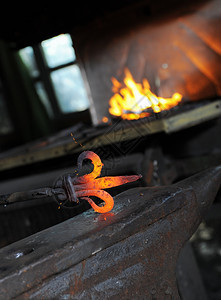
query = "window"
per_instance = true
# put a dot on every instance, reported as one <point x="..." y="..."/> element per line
<point x="56" y="74"/>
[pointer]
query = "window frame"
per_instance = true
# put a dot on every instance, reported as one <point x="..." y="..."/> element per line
<point x="59" y="119"/>
<point x="44" y="77"/>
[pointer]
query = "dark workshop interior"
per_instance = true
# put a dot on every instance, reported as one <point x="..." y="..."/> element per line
<point x="139" y="84"/>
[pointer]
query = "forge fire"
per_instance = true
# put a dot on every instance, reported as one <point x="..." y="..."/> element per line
<point x="133" y="100"/>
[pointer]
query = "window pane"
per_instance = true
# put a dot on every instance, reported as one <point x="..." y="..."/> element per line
<point x="5" y="123"/>
<point x="58" y="50"/>
<point x="70" y="90"/>
<point x="27" y="55"/>
<point x="44" y="97"/>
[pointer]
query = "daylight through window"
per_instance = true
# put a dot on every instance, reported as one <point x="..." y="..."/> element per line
<point x="56" y="75"/>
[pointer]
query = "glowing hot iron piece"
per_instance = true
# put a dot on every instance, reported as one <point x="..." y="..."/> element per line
<point x="89" y="185"/>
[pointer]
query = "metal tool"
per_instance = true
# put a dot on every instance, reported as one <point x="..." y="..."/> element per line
<point x="71" y="187"/>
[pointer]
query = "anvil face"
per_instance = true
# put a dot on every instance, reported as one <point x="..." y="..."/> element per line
<point x="128" y="253"/>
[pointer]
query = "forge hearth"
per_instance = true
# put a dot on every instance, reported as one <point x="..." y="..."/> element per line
<point x="177" y="52"/>
<point x="133" y="101"/>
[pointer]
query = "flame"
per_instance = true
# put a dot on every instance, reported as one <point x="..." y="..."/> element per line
<point x="135" y="100"/>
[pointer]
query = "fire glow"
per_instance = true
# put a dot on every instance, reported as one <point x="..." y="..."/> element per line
<point x="133" y="100"/>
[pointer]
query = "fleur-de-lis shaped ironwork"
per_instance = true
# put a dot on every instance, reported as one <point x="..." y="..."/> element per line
<point x="90" y="185"/>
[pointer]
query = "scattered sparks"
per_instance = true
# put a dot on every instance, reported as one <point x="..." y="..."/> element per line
<point x="75" y="141"/>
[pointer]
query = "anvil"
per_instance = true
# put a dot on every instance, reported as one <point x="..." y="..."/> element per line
<point x="130" y="253"/>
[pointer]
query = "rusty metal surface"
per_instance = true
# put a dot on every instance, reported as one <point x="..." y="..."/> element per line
<point x="130" y="253"/>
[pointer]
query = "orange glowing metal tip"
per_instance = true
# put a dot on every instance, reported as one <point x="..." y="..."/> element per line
<point x="89" y="185"/>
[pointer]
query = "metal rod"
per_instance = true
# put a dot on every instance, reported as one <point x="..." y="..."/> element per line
<point x="33" y="195"/>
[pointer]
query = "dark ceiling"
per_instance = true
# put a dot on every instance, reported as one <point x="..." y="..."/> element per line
<point x="30" y="23"/>
<point x="36" y="21"/>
